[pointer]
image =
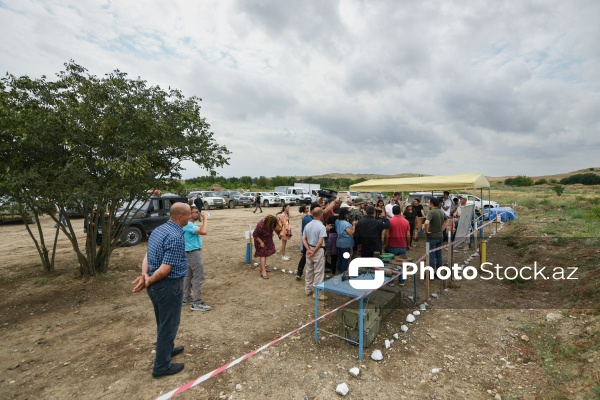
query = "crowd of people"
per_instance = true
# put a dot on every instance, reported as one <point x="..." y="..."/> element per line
<point x="332" y="233"/>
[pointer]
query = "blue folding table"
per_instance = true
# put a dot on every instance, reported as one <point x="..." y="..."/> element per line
<point x="345" y="289"/>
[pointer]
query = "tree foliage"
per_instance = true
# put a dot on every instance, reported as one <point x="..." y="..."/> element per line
<point x="264" y="183"/>
<point x="559" y="189"/>
<point x="520" y="180"/>
<point x="96" y="144"/>
<point x="588" y="178"/>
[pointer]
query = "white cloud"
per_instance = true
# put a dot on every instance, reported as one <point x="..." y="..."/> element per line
<point x="295" y="88"/>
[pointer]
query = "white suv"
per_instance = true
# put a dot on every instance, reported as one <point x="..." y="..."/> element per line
<point x="209" y="200"/>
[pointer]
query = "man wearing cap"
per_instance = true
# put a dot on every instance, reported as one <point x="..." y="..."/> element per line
<point x="356" y="211"/>
<point x="368" y="232"/>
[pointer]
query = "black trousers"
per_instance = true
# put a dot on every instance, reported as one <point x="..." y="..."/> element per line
<point x="302" y="262"/>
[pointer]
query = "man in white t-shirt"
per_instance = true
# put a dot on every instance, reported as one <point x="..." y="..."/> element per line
<point x="446" y="204"/>
<point x="393" y="201"/>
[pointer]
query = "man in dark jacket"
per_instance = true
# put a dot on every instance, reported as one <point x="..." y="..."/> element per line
<point x="198" y="202"/>
<point x="368" y="232"/>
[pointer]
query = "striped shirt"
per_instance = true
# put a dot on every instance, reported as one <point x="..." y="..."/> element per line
<point x="166" y="246"/>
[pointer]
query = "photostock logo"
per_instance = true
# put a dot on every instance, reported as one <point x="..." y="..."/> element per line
<point x="367" y="262"/>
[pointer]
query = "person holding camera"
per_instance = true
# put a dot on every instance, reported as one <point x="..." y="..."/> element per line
<point x="286" y="229"/>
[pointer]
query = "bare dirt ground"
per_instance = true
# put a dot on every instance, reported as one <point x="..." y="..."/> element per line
<point x="64" y="336"/>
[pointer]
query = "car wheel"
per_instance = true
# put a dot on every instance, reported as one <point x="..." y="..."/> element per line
<point x="222" y="207"/>
<point x="231" y="204"/>
<point x="132" y="236"/>
<point x="297" y="202"/>
<point x="266" y="203"/>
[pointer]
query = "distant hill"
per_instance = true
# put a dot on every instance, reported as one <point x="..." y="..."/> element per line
<point x="336" y="175"/>
<point x="558" y="177"/>
<point x="358" y="176"/>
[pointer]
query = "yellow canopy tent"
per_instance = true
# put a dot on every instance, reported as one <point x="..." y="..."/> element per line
<point x="423" y="183"/>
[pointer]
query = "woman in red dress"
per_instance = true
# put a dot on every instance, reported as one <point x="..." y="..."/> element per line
<point x="263" y="241"/>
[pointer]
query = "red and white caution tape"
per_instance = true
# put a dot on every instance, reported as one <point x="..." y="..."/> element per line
<point x="228" y="365"/>
<point x="225" y="367"/>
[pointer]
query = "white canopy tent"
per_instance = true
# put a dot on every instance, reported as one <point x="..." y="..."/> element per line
<point x="423" y="183"/>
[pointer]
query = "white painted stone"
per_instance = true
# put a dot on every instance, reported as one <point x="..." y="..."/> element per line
<point x="404" y="328"/>
<point x="410" y="318"/>
<point x="416" y="313"/>
<point x="387" y="344"/>
<point x="376" y="355"/>
<point x="354" y="372"/>
<point x="396" y="336"/>
<point x="435" y="370"/>
<point x="342" y="389"/>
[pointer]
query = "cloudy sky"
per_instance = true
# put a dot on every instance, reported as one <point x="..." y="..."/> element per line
<point x="313" y="87"/>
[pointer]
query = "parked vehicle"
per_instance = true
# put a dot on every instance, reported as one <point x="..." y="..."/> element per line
<point x="423" y="198"/>
<point x="270" y="199"/>
<point x="479" y="203"/>
<point x="301" y="195"/>
<point x="234" y="198"/>
<point x="210" y="199"/>
<point x="252" y="195"/>
<point x="8" y="212"/>
<point x="145" y="216"/>
<point x="311" y="188"/>
<point x="286" y="198"/>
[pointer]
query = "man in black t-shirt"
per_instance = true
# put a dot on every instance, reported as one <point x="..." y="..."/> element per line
<point x="419" y="215"/>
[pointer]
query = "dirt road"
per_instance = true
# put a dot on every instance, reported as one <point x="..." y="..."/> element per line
<point x="71" y="337"/>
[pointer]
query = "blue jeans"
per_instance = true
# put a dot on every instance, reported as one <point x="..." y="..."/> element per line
<point x="167" y="299"/>
<point x="435" y="257"/>
<point x="342" y="263"/>
<point x="397" y="251"/>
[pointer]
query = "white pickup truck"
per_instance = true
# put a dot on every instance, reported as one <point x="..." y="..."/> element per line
<point x="270" y="199"/>
<point x="479" y="203"/>
<point x="286" y="198"/>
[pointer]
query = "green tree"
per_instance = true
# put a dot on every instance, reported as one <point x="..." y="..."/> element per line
<point x="262" y="182"/>
<point x="588" y="178"/>
<point x="98" y="144"/>
<point x="520" y="180"/>
<point x="559" y="189"/>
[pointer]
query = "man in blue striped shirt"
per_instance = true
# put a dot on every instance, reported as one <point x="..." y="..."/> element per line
<point x="163" y="269"/>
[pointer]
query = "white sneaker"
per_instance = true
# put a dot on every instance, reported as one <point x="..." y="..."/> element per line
<point x="200" y="307"/>
<point x="285" y="258"/>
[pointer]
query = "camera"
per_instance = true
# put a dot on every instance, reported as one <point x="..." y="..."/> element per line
<point x="327" y="193"/>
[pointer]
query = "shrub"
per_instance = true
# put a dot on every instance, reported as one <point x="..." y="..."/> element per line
<point x="559" y="189"/>
<point x="585" y="179"/>
<point x="520" y="180"/>
<point x="542" y="181"/>
<point x="594" y="213"/>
